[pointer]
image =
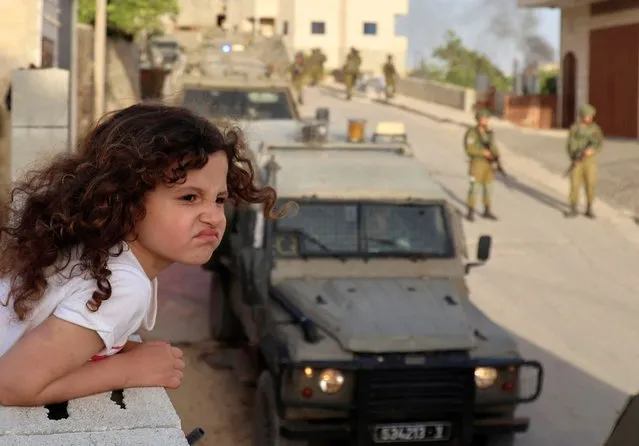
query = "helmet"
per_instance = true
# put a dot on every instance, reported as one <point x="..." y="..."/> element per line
<point x="587" y="110"/>
<point x="482" y="113"/>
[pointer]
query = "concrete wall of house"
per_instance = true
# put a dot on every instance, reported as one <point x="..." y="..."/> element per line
<point x="375" y="48"/>
<point x="39" y="113"/>
<point x="575" y="38"/>
<point x="123" y="74"/>
<point x="576" y="24"/>
<point x="85" y="80"/>
<point x="286" y="23"/>
<point x="344" y="27"/>
<point x="20" y="37"/>
<point x="50" y="25"/>
<point x="199" y="13"/>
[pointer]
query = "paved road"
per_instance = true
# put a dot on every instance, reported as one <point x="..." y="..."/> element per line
<point x="618" y="162"/>
<point x="565" y="288"/>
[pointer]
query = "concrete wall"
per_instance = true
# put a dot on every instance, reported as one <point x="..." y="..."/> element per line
<point x="199" y="13"/>
<point x="575" y="38"/>
<point x="85" y="79"/>
<point x="39" y="113"/>
<point x="123" y="74"/>
<point x="443" y="94"/>
<point x="148" y="419"/>
<point x="20" y="37"/>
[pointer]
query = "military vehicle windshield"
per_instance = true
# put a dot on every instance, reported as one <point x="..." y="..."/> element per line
<point x="364" y="230"/>
<point x="254" y="104"/>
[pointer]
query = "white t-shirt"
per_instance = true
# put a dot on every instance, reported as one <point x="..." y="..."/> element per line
<point x="133" y="304"/>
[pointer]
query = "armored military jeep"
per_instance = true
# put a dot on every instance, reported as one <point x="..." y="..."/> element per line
<point x="356" y="308"/>
<point x="239" y="98"/>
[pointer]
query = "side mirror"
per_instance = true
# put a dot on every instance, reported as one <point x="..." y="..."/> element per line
<point x="483" y="247"/>
<point x="483" y="252"/>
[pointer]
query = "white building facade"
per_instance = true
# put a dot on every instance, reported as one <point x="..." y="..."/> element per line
<point x="335" y="27"/>
<point x="368" y="25"/>
<point x="599" y="61"/>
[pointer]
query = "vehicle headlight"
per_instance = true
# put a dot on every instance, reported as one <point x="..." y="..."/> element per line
<point x="330" y="380"/>
<point x="485" y="377"/>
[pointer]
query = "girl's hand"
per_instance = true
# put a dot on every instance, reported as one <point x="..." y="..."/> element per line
<point x="154" y="364"/>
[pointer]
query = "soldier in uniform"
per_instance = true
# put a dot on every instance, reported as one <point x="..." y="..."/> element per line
<point x="298" y="71"/>
<point x="351" y="71"/>
<point x="585" y="140"/>
<point x="316" y="67"/>
<point x="390" y="73"/>
<point x="482" y="151"/>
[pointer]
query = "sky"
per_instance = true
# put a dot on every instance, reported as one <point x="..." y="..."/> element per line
<point x="475" y="22"/>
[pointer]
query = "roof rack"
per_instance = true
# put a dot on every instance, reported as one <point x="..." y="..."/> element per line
<point x="396" y="147"/>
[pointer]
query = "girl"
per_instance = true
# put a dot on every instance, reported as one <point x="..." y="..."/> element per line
<point x="83" y="240"/>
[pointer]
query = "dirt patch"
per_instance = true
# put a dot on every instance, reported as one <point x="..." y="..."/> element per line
<point x="213" y="400"/>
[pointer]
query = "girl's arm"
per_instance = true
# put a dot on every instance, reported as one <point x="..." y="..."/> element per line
<point x="52" y="364"/>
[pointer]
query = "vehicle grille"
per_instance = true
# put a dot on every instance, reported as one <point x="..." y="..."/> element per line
<point x="417" y="392"/>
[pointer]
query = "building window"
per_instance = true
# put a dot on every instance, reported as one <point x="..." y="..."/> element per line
<point x="370" y="28"/>
<point x="318" y="28"/>
<point x="285" y="27"/>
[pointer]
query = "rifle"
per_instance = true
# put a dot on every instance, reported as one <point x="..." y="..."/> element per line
<point x="579" y="156"/>
<point x="496" y="160"/>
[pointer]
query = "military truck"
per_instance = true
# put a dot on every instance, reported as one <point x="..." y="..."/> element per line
<point x="356" y="310"/>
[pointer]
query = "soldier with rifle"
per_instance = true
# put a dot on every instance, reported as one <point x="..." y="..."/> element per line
<point x="585" y="140"/>
<point x="479" y="144"/>
<point x="298" y="73"/>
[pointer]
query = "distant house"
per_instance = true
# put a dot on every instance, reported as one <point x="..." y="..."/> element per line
<point x="335" y="26"/>
<point x="599" y="61"/>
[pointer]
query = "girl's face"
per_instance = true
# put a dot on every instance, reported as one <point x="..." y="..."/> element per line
<point x="184" y="223"/>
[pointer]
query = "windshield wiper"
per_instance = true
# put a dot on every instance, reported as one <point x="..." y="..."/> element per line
<point x="319" y="244"/>
<point x="398" y="243"/>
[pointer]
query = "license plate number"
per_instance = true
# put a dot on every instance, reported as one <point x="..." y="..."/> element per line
<point x="404" y="433"/>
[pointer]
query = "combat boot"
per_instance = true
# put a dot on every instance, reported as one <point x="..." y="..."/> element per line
<point x="572" y="212"/>
<point x="470" y="216"/>
<point x="589" y="212"/>
<point x="488" y="214"/>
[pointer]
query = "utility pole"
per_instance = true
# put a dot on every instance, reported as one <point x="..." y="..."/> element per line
<point x="73" y="75"/>
<point x="99" y="57"/>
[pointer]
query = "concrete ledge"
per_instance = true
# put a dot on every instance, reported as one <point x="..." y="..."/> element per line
<point x="443" y="94"/>
<point x="148" y="419"/>
<point x="148" y="415"/>
<point x="139" y="437"/>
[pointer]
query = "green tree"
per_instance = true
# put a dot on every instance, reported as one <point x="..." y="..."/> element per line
<point x="129" y="17"/>
<point x="461" y="65"/>
<point x="428" y="71"/>
<point x="548" y="82"/>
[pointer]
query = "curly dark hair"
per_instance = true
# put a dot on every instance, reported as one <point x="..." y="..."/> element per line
<point x="93" y="199"/>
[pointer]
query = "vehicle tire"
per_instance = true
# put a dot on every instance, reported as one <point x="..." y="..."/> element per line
<point x="266" y="421"/>
<point x="225" y="326"/>
<point x="496" y="440"/>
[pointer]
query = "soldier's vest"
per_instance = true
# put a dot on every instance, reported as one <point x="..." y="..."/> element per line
<point x="352" y="65"/>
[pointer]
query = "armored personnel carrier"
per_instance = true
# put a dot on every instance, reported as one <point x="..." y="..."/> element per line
<point x="356" y="309"/>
